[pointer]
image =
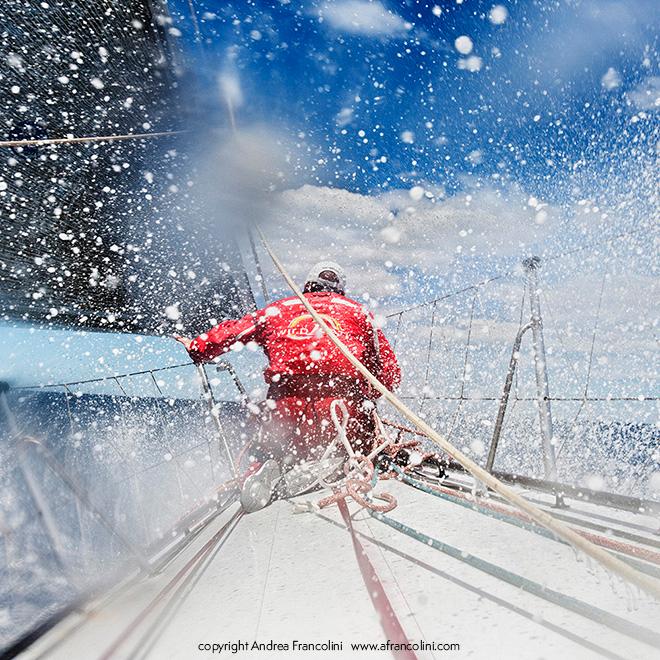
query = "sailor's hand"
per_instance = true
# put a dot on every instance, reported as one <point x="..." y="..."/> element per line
<point x="186" y="341"/>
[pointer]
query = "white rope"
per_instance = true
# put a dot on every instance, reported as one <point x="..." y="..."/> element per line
<point x="341" y="435"/>
<point x="608" y="560"/>
<point x="341" y="426"/>
<point x="359" y="475"/>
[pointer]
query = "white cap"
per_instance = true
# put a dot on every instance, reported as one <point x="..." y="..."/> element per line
<point x="314" y="275"/>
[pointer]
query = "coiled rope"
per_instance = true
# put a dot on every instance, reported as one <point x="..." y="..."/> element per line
<point x="359" y="473"/>
<point x="612" y="563"/>
<point x="360" y="476"/>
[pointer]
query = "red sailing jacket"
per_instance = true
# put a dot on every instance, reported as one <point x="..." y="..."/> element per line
<point x="295" y="345"/>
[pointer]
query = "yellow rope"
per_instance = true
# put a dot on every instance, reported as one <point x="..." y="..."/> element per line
<point x="614" y="564"/>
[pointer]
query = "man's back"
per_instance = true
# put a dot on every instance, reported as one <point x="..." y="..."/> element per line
<point x="295" y="344"/>
<point x="297" y="347"/>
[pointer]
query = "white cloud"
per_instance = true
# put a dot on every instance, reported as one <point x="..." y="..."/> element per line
<point x="582" y="33"/>
<point x="371" y="19"/>
<point x="646" y="96"/>
<point x="394" y="247"/>
<point x="363" y="232"/>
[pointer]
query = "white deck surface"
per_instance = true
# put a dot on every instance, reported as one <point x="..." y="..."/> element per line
<point x="281" y="575"/>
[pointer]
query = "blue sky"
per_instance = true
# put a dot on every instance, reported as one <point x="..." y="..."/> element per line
<point x="356" y="81"/>
<point x="497" y="112"/>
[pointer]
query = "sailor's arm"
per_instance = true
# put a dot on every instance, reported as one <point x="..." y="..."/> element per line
<point x="219" y="339"/>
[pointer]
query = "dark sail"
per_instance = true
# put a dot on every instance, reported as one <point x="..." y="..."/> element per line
<point x="94" y="234"/>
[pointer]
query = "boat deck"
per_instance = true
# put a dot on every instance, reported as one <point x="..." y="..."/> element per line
<point x="290" y="572"/>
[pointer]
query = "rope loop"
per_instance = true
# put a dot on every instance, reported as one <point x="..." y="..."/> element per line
<point x="358" y="482"/>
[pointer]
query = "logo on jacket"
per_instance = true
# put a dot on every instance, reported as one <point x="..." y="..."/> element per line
<point x="304" y="327"/>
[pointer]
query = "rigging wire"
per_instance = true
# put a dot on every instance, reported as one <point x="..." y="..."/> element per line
<point x="583" y="404"/>
<point x="163" y="443"/>
<point x="569" y="364"/>
<point x="564" y="399"/>
<point x="583" y="399"/>
<point x="520" y="325"/>
<point x="593" y="336"/>
<point x="257" y="262"/>
<point x="461" y="397"/>
<point x="640" y="398"/>
<point x="89" y="138"/>
<point x="451" y="294"/>
<point x="103" y="378"/>
<point x="398" y="330"/>
<point x="467" y="344"/>
<point x="428" y="358"/>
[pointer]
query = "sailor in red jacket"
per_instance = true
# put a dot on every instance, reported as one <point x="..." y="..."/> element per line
<point x="306" y="372"/>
